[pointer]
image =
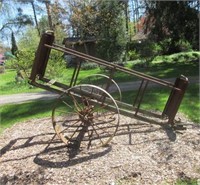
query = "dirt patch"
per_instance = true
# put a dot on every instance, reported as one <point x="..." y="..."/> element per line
<point x="140" y="153"/>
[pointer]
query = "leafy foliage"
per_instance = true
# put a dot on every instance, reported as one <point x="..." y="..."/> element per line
<point x="146" y="50"/>
<point x="112" y="31"/>
<point x="25" y="55"/>
<point x="14" y="44"/>
<point x="104" y="20"/>
<point x="83" y="18"/>
<point x="56" y="65"/>
<point x="175" y="20"/>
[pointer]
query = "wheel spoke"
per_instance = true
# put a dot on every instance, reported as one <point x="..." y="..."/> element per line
<point x="97" y="135"/>
<point x="69" y="126"/>
<point x="90" y="139"/>
<point x="84" y="116"/>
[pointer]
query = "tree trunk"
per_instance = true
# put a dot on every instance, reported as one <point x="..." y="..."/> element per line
<point x="35" y="17"/>
<point x="49" y="14"/>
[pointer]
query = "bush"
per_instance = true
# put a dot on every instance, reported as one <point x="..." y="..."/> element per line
<point x="88" y="65"/>
<point x="147" y="50"/>
<point x="179" y="46"/>
<point x="183" y="45"/>
<point x="133" y="55"/>
<point x="165" y="45"/>
<point x="2" y="69"/>
<point x="56" y="65"/>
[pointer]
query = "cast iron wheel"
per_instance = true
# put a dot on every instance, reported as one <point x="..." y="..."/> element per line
<point x="85" y="116"/>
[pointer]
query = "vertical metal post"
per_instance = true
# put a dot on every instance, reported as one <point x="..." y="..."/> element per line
<point x="175" y="99"/>
<point x="42" y="56"/>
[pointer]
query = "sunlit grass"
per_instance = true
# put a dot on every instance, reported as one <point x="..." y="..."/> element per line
<point x="162" y="67"/>
<point x="11" y="114"/>
<point x="155" y="99"/>
<point x="8" y="84"/>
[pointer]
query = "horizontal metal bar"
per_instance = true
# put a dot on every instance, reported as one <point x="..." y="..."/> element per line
<point x="112" y="66"/>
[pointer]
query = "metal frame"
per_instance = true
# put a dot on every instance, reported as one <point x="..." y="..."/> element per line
<point x="38" y="75"/>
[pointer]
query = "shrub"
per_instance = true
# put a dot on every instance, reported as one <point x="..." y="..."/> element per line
<point x="56" y="65"/>
<point x="183" y="45"/>
<point x="2" y="69"/>
<point x="148" y="50"/>
<point x="88" y="65"/>
<point x="133" y="55"/>
<point x="165" y="45"/>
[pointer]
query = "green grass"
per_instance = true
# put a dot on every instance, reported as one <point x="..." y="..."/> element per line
<point x="185" y="63"/>
<point x="8" y="84"/>
<point x="187" y="182"/>
<point x="162" y="67"/>
<point x="178" y="57"/>
<point x="11" y="114"/>
<point x="155" y="99"/>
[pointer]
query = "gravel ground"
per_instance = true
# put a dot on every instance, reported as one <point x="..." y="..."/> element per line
<point x="140" y="153"/>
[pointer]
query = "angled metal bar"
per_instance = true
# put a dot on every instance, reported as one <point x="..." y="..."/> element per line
<point x="141" y="97"/>
<point x="111" y="66"/>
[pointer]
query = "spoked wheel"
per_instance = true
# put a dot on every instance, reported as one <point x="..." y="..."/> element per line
<point x="105" y="82"/>
<point x="86" y="116"/>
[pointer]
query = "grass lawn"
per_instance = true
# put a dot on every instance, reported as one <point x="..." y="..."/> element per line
<point x="162" y="67"/>
<point x="154" y="100"/>
<point x="8" y="84"/>
<point x="11" y="114"/>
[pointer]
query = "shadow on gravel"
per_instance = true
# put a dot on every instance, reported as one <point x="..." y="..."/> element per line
<point x="56" y="157"/>
<point x="48" y="151"/>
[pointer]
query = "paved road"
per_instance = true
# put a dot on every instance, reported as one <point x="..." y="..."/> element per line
<point x="24" y="97"/>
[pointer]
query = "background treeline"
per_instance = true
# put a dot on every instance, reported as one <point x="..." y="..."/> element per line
<point x="123" y="29"/>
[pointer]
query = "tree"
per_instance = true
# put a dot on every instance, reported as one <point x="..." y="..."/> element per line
<point x="27" y="45"/>
<point x="47" y="4"/>
<point x="13" y="24"/>
<point x="112" y="30"/>
<point x="25" y="54"/>
<point x="174" y="20"/>
<point x="104" y="20"/>
<point x="14" y="47"/>
<point x="83" y="18"/>
<point x="32" y="2"/>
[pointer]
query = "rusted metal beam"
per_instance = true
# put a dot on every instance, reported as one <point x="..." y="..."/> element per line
<point x="175" y="99"/>
<point x="42" y="56"/>
<point x="111" y="65"/>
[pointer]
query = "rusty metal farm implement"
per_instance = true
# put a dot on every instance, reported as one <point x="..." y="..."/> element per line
<point x="88" y="113"/>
